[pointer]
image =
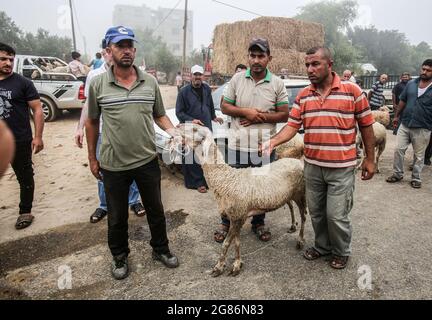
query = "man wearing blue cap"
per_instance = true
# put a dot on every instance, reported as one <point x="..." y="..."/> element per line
<point x="134" y="202"/>
<point x="129" y="101"/>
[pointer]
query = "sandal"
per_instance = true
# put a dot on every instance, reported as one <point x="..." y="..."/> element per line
<point x="262" y="233"/>
<point x="312" y="254"/>
<point x="416" y="184"/>
<point x="339" y="263"/>
<point x="221" y="234"/>
<point x="138" y="209"/>
<point x="393" y="179"/>
<point x="98" y="215"/>
<point x="24" y="221"/>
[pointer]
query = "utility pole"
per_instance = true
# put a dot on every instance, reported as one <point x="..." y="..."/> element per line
<point x="185" y="34"/>
<point x="73" y="26"/>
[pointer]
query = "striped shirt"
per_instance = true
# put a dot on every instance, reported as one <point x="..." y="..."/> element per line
<point x="376" y="100"/>
<point x="330" y="123"/>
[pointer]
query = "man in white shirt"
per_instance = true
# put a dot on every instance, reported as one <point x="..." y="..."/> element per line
<point x="77" y="68"/>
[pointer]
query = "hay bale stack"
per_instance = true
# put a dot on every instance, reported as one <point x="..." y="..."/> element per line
<point x="291" y="60"/>
<point x="288" y="38"/>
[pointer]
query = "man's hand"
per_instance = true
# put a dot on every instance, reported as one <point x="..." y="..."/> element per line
<point x="95" y="169"/>
<point x="255" y="116"/>
<point x="219" y="120"/>
<point x="368" y="169"/>
<point x="79" y="138"/>
<point x="395" y="122"/>
<point x="198" y="122"/>
<point x="37" y="145"/>
<point x="266" y="149"/>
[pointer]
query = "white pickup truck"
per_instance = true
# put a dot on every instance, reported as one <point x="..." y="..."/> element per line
<point x="58" y="89"/>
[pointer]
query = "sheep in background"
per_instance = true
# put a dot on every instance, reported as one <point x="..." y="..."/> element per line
<point x="380" y="133"/>
<point x="382" y="116"/>
<point x="243" y="193"/>
<point x="293" y="149"/>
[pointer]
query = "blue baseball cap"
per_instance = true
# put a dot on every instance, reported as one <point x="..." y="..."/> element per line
<point x="117" y="34"/>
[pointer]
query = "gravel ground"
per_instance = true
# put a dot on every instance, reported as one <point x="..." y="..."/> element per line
<point x="392" y="243"/>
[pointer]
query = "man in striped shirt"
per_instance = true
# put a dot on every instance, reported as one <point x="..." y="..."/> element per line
<point x="376" y="94"/>
<point x="330" y="110"/>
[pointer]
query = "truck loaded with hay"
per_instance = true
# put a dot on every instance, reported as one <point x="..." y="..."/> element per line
<point x="289" y="40"/>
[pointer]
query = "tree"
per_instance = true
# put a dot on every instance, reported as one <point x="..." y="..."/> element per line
<point x="155" y="52"/>
<point x="388" y="50"/>
<point x="419" y="54"/>
<point x="41" y="43"/>
<point x="336" y="18"/>
<point x="10" y="33"/>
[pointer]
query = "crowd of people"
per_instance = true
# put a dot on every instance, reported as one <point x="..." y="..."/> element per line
<point x="123" y="103"/>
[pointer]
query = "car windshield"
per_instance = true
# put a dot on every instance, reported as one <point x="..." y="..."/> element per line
<point x="292" y="94"/>
<point x="217" y="95"/>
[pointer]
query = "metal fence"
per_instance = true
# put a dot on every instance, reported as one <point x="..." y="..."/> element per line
<point x="366" y="82"/>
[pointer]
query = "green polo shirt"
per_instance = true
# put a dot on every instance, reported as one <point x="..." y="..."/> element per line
<point x="128" y="136"/>
<point x="265" y="95"/>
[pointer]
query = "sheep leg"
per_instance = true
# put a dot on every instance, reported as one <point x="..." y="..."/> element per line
<point x="381" y="149"/>
<point x="294" y="224"/>
<point x="220" y="266"/>
<point x="303" y="212"/>
<point x="238" y="263"/>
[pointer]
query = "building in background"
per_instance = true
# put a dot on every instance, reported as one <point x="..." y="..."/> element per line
<point x="170" y="30"/>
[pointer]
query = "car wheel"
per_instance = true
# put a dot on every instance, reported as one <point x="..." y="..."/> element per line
<point x="50" y="111"/>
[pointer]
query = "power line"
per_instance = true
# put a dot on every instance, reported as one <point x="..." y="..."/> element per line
<point x="172" y="10"/>
<point x="244" y="10"/>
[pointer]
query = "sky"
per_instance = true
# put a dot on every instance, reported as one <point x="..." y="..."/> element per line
<point x="94" y="17"/>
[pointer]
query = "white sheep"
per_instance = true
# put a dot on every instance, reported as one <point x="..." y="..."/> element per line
<point x="243" y="193"/>
<point x="380" y="133"/>
<point x="382" y="116"/>
<point x="292" y="149"/>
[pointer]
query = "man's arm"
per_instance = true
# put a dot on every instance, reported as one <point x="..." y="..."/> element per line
<point x="368" y="166"/>
<point x="251" y="114"/>
<point x="281" y="115"/>
<point x="7" y="147"/>
<point x="166" y="125"/>
<point x="38" y="118"/>
<point x="399" y="110"/>
<point x="92" y="134"/>
<point x="79" y="134"/>
<point x="285" y="135"/>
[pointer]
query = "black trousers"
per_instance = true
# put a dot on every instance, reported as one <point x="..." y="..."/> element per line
<point x="429" y="151"/>
<point x="23" y="167"/>
<point x="148" y="180"/>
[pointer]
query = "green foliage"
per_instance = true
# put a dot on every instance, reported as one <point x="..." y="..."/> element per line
<point x="336" y="17"/>
<point x="388" y="50"/>
<point x="155" y="53"/>
<point x="41" y="43"/>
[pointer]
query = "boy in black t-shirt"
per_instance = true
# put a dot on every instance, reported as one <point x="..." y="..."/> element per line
<point x="17" y="95"/>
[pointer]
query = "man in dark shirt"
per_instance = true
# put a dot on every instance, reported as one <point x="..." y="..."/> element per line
<point x="415" y="112"/>
<point x="195" y="105"/>
<point x="17" y="95"/>
<point x="396" y="93"/>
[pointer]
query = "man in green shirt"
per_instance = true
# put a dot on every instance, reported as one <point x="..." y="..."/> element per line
<point x="128" y="101"/>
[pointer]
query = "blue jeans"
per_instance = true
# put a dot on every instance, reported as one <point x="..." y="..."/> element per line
<point x="133" y="190"/>
<point x="242" y="160"/>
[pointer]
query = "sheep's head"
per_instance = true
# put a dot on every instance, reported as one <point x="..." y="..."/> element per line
<point x="384" y="109"/>
<point x="193" y="135"/>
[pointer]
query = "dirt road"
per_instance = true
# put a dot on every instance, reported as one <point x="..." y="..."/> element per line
<point x="392" y="241"/>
